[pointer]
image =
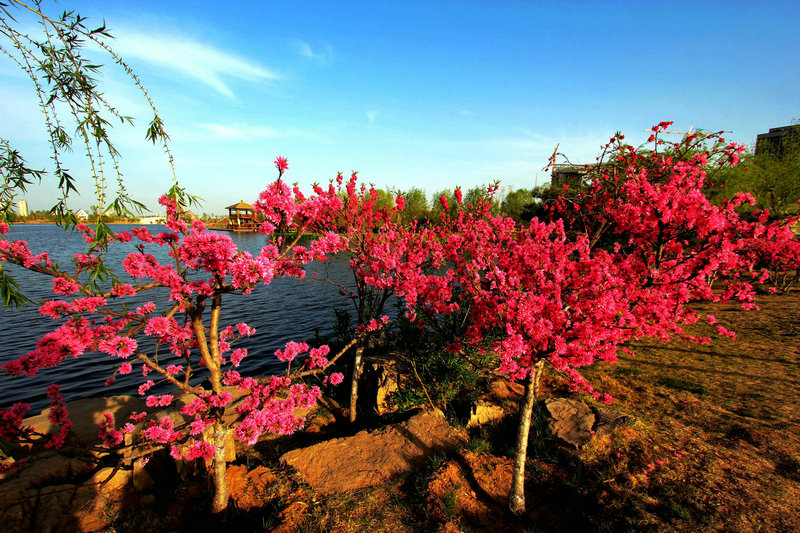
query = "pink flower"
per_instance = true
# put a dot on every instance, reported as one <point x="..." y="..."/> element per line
<point x="282" y="164"/>
<point x="109" y="435"/>
<point x="144" y="387"/>
<point x="123" y="289"/>
<point x="335" y="378"/>
<point x="174" y="369"/>
<point x="199" y="425"/>
<point x="237" y="355"/>
<point x="293" y="349"/>
<point x="245" y="329"/>
<point x="159" y="401"/>
<point x="64" y="286"/>
<point x="200" y="450"/>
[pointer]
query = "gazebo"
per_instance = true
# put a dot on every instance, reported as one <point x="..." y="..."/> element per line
<point x="241" y="217"/>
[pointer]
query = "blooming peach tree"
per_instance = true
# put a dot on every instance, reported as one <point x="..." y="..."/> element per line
<point x="624" y="260"/>
<point x="194" y="351"/>
<point x="364" y="220"/>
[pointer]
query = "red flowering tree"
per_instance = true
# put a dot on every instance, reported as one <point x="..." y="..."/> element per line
<point x="643" y="246"/>
<point x="204" y="268"/>
<point x="363" y="217"/>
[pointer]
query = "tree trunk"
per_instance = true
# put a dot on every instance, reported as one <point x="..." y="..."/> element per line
<point x="517" y="499"/>
<point x="357" y="365"/>
<point x="218" y="469"/>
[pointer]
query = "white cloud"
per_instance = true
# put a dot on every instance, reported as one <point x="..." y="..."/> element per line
<point x="371" y="116"/>
<point x="191" y="58"/>
<point x="323" y="52"/>
<point x="304" y="49"/>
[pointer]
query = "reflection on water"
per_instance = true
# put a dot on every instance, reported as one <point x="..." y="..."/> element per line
<point x="287" y="309"/>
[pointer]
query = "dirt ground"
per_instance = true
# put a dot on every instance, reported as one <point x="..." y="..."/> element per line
<point x="715" y="447"/>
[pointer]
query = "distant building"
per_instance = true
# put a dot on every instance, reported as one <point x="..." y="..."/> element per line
<point x="22" y="207"/>
<point x="80" y="214"/>
<point x="567" y="173"/>
<point x="241" y="217"/>
<point x="776" y="140"/>
<point x="153" y="219"/>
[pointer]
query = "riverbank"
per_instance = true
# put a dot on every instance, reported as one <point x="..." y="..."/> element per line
<point x="712" y="444"/>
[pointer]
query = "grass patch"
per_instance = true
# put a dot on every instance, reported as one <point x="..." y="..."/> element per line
<point x="682" y="384"/>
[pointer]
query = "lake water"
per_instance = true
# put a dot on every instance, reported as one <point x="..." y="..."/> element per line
<point x="286" y="309"/>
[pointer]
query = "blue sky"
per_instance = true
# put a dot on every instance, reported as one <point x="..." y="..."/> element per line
<point x="417" y="94"/>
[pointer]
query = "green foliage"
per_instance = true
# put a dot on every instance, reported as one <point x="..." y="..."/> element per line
<point x="479" y="444"/>
<point x="417" y="207"/>
<point x="385" y="199"/>
<point x="682" y="384"/>
<point x="444" y="377"/>
<point x="16" y="177"/>
<point x="514" y="204"/>
<point x="436" y="204"/>
<point x="10" y="293"/>
<point x="343" y="329"/>
<point x="773" y="177"/>
<point x="450" y="502"/>
<point x="68" y="92"/>
<point x="543" y="197"/>
<point x="480" y="194"/>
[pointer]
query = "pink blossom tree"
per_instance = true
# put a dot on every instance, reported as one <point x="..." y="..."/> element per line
<point x="363" y="218"/>
<point x="204" y="268"/>
<point x="625" y="261"/>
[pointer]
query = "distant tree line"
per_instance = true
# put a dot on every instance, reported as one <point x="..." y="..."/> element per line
<point x="516" y="204"/>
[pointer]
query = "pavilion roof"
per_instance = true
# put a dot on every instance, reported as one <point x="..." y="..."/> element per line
<point x="241" y="205"/>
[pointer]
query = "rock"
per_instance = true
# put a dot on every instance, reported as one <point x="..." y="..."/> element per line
<point x="575" y="423"/>
<point x="100" y="499"/>
<point x="483" y="413"/>
<point x="16" y="517"/>
<point x="142" y="480"/>
<point x="383" y="375"/>
<point x="87" y="414"/>
<point x="39" y="496"/>
<point x="607" y="420"/>
<point x="369" y="459"/>
<point x="572" y="420"/>
<point x="40" y="500"/>
<point x="502" y="389"/>
<point x="46" y="469"/>
<point x="53" y="507"/>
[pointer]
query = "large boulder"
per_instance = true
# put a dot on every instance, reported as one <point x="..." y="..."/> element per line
<point x="368" y="458"/>
<point x="484" y="413"/>
<point x="383" y="376"/>
<point x="86" y="415"/>
<point x="49" y="495"/>
<point x="576" y="423"/>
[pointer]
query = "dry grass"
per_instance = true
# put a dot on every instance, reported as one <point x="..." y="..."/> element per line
<point x="716" y="448"/>
<point x="720" y="437"/>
